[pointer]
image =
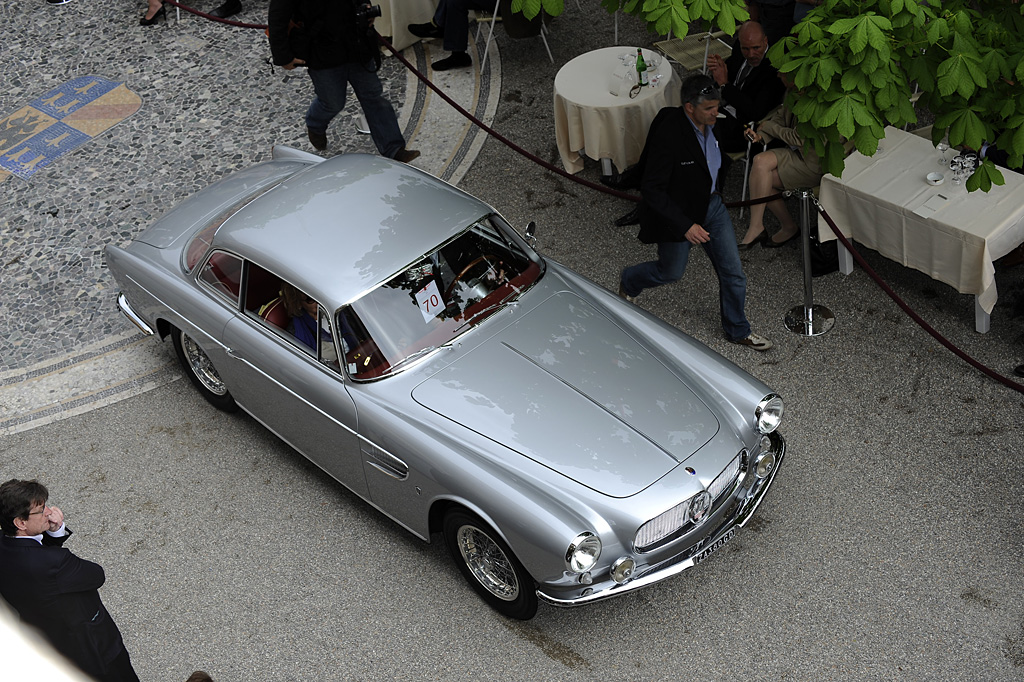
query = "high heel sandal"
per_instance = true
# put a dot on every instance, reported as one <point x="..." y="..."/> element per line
<point x="162" y="12"/>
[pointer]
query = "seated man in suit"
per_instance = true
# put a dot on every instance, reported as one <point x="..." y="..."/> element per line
<point x="749" y="84"/>
<point x="52" y="589"/>
<point x="451" y="22"/>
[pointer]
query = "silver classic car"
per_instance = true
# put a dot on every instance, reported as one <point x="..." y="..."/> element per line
<point x="399" y="333"/>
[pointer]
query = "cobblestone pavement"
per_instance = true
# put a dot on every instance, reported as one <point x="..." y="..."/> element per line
<point x="196" y="100"/>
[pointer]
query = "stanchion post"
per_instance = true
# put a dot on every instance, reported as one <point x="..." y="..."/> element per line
<point x="808" y="319"/>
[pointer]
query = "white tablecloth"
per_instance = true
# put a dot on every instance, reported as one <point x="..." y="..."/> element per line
<point x="943" y="231"/>
<point x="396" y="15"/>
<point x="605" y="126"/>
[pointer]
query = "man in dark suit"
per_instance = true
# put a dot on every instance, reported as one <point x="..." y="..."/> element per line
<point x="749" y="83"/>
<point x="681" y="206"/>
<point x="54" y="590"/>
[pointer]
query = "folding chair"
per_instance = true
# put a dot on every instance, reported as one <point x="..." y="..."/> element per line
<point x="691" y="52"/>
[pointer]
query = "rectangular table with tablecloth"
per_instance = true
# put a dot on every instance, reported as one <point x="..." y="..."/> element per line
<point x="953" y="236"/>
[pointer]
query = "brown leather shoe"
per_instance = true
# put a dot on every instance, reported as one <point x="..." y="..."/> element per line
<point x="318" y="140"/>
<point x="406" y="155"/>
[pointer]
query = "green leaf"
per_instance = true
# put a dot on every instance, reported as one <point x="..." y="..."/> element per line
<point x="876" y="27"/>
<point x="841" y="26"/>
<point x="1018" y="141"/>
<point x="834" y="159"/>
<point x="865" y="141"/>
<point x="955" y="76"/>
<point x="937" y="31"/>
<point x="851" y="80"/>
<point x="859" y="38"/>
<point x="870" y="63"/>
<point x="844" y="120"/>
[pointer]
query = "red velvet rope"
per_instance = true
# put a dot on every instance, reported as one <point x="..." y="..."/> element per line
<point x="204" y="15"/>
<point x="907" y="309"/>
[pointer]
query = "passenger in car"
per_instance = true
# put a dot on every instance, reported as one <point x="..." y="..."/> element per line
<point x="302" y="310"/>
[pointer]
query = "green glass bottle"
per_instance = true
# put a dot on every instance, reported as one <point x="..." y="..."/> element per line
<point x="641" y="68"/>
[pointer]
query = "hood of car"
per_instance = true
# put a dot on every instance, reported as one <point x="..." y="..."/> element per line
<point x="568" y="388"/>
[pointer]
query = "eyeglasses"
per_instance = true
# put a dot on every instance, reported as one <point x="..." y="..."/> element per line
<point x="41" y="511"/>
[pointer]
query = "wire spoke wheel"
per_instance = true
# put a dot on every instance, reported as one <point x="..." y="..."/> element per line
<point x="200" y="364"/>
<point x="201" y="372"/>
<point x="489" y="566"/>
<point x="488" y="563"/>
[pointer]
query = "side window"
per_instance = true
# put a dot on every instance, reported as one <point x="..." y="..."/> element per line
<point x="222" y="272"/>
<point x="328" y="351"/>
<point x="290" y="313"/>
<point x="263" y="296"/>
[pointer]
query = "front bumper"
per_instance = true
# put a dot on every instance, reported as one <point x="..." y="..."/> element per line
<point x="738" y="513"/>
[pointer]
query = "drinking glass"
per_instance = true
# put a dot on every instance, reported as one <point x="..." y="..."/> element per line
<point x="942" y="147"/>
<point x="957" y="166"/>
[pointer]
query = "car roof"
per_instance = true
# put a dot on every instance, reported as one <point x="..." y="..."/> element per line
<point x="340" y="227"/>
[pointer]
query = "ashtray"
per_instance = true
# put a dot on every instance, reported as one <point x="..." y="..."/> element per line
<point x="934" y="178"/>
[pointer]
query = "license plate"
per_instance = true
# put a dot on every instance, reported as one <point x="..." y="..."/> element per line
<point x="714" y="547"/>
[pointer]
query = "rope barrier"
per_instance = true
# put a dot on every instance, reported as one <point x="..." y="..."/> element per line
<point x="632" y="197"/>
<point x="204" y="15"/>
<point x="992" y="374"/>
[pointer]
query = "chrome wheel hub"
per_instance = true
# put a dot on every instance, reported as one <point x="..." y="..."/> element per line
<point x="202" y="367"/>
<point x="488" y="563"/>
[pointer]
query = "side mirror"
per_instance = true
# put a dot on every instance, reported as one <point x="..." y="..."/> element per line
<point x="531" y="234"/>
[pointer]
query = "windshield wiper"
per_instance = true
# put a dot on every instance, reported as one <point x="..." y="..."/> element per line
<point x="418" y="354"/>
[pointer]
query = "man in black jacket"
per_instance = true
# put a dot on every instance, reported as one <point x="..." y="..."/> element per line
<point x="52" y="589"/>
<point x="681" y="206"/>
<point x="749" y="83"/>
<point x="336" y="43"/>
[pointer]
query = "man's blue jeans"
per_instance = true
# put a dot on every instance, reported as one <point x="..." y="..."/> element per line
<point x="331" y="88"/>
<point x="725" y="258"/>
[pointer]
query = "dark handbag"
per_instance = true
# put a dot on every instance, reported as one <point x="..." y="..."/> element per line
<point x="824" y="256"/>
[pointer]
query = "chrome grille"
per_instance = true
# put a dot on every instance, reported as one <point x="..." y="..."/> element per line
<point x="724" y="481"/>
<point x="672" y="523"/>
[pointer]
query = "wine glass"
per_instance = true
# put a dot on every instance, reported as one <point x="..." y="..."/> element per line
<point x="957" y="166"/>
<point x="942" y="146"/>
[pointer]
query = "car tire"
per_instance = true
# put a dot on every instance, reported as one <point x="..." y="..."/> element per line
<point x="489" y="566"/>
<point x="201" y="371"/>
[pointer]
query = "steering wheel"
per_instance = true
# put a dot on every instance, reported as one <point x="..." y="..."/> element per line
<point x="491" y="260"/>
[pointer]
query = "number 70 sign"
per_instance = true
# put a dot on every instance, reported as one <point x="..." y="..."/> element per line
<point x="429" y="300"/>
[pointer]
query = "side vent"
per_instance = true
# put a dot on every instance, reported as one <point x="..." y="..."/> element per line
<point x="385" y="462"/>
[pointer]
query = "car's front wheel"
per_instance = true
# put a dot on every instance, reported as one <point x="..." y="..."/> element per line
<point x="489" y="565"/>
<point x="201" y="371"/>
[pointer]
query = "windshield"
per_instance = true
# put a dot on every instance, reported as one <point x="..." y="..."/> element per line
<point x="437" y="298"/>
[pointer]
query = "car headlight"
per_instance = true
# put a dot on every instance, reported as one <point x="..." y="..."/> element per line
<point x="583" y="553"/>
<point x="768" y="413"/>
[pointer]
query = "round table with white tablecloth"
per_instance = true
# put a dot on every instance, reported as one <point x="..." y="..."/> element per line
<point x="607" y="127"/>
